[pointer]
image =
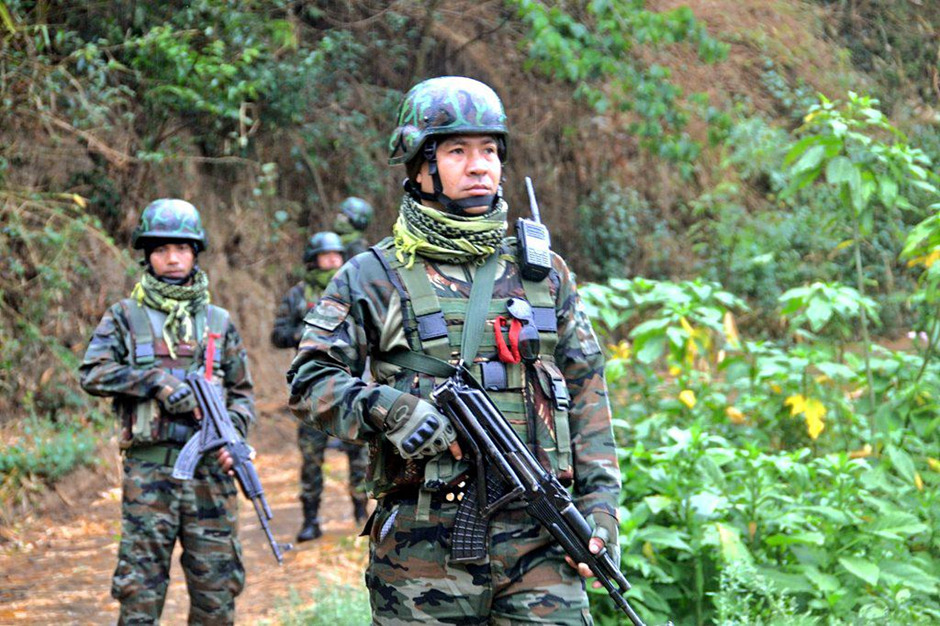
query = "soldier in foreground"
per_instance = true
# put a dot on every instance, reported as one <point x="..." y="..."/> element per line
<point x="139" y="354"/>
<point x="411" y="295"/>
<point x="355" y="215"/>
<point x="322" y="257"/>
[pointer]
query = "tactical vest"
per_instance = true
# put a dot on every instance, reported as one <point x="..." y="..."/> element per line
<point x="433" y="323"/>
<point x="144" y="421"/>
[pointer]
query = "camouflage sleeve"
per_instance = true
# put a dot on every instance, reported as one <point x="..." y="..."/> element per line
<point x="594" y="453"/>
<point x="326" y="388"/>
<point x="106" y="368"/>
<point x="289" y="322"/>
<point x="239" y="388"/>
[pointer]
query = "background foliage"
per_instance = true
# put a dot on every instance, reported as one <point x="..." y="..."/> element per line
<point x="749" y="185"/>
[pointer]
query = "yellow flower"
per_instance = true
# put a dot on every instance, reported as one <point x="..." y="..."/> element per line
<point x="731" y="330"/>
<point x="675" y="370"/>
<point x="864" y="452"/>
<point x="812" y="409"/>
<point x="934" y="464"/>
<point x="620" y="350"/>
<point x="687" y="397"/>
<point x="926" y="260"/>
<point x="735" y="415"/>
<point x="775" y="388"/>
<point x="918" y="481"/>
<point x="796" y="403"/>
<point x="815" y="410"/>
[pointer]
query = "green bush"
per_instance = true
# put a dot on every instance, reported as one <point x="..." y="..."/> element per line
<point x="742" y="456"/>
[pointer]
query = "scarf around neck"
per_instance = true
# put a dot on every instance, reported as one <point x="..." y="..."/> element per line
<point x="434" y="234"/>
<point x="181" y="303"/>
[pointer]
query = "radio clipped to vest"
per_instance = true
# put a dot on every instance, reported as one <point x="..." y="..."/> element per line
<point x="535" y="259"/>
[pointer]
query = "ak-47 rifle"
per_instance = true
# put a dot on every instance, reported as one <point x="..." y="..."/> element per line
<point x="507" y="471"/>
<point x="216" y="431"/>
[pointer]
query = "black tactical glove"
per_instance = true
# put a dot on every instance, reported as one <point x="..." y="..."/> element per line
<point x="177" y="398"/>
<point x="417" y="429"/>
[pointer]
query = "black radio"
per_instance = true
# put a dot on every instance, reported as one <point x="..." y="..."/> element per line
<point x="535" y="258"/>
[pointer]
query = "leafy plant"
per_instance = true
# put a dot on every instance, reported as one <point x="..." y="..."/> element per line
<point x="861" y="154"/>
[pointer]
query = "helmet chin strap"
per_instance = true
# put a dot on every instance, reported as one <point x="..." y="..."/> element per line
<point x="457" y="207"/>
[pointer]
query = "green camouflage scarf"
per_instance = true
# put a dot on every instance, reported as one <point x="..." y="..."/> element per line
<point x="445" y="237"/>
<point x="315" y="281"/>
<point x="181" y="303"/>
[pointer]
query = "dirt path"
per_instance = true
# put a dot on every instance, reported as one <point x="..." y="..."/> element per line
<point x="56" y="568"/>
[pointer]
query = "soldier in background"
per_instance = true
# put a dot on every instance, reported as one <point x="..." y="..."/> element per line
<point x="411" y="297"/>
<point x="323" y="256"/>
<point x="355" y="215"/>
<point x="139" y="355"/>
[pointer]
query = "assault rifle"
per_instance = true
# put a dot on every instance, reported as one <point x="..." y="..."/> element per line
<point x="507" y="471"/>
<point x="216" y="431"/>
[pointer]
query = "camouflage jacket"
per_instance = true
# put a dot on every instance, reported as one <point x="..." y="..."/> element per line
<point x="108" y="370"/>
<point x="360" y="316"/>
<point x="289" y="322"/>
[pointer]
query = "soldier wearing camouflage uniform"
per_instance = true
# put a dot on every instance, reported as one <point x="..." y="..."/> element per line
<point x="139" y="355"/>
<point x="355" y="215"/>
<point x="322" y="257"/>
<point x="410" y="295"/>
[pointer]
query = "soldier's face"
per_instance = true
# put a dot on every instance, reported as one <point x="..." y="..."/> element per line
<point x="173" y="260"/>
<point x="469" y="166"/>
<point x="329" y="260"/>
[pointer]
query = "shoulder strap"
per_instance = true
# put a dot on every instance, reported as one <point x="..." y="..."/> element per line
<point x="410" y="327"/>
<point x="480" y="295"/>
<point x="141" y="333"/>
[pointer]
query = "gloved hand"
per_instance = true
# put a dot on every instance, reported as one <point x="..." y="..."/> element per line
<point x="417" y="429"/>
<point x="607" y="529"/>
<point x="177" y="397"/>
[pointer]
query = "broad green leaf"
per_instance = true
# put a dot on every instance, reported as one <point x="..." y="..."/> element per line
<point x="902" y="462"/>
<point x="658" y="503"/>
<point x="896" y="525"/>
<point x="839" y="170"/>
<point x="806" y="538"/>
<point x="649" y="348"/>
<point x="887" y="191"/>
<point x="6" y="19"/>
<point x="825" y="582"/>
<point x="793" y="583"/>
<point x="863" y="568"/>
<point x="809" y="161"/>
<point x="663" y="537"/>
<point x="732" y="548"/>
<point x="908" y="575"/>
<point x="819" y="312"/>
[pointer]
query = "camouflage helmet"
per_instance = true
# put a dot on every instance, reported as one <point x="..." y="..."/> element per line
<point x="449" y="105"/>
<point x="358" y="211"/>
<point x="324" y="241"/>
<point x="169" y="219"/>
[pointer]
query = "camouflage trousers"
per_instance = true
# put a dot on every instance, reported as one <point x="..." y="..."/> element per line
<point x="313" y="443"/>
<point x="524" y="580"/>
<point x="202" y="514"/>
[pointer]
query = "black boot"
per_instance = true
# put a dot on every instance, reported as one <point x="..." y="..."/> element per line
<point x="359" y="511"/>
<point x="311" y="528"/>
